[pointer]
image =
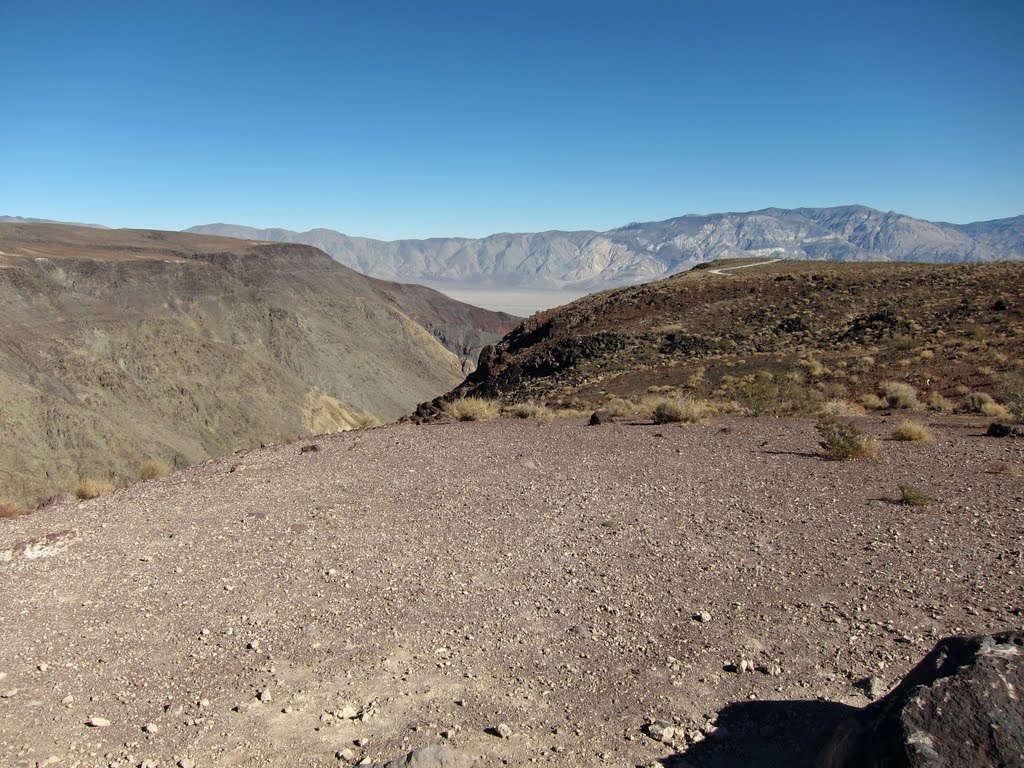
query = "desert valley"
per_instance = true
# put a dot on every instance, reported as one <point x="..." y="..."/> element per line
<point x="264" y="510"/>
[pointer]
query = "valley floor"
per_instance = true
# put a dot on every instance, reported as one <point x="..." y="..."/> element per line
<point x="413" y="585"/>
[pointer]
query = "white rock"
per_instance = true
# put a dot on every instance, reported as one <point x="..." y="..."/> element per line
<point x="98" y="722"/>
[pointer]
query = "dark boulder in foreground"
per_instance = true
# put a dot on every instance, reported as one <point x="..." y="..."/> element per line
<point x="430" y="757"/>
<point x="998" y="429"/>
<point x="961" y="707"/>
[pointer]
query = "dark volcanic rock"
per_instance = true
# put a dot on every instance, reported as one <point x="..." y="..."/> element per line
<point x="600" y="417"/>
<point x="995" y="429"/>
<point x="961" y="707"/>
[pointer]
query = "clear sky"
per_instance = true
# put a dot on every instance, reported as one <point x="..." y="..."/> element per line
<point x="431" y="118"/>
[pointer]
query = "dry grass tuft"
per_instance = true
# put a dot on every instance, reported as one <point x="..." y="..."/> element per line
<point x="680" y="411"/>
<point x="913" y="431"/>
<point x="473" y="409"/>
<point x="530" y="410"/>
<point x="91" y="488"/>
<point x="900" y="395"/>
<point x="873" y="402"/>
<point x="151" y="469"/>
<point x="10" y="509"/>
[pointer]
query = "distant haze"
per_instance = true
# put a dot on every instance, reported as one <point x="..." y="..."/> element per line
<point x="521" y="273"/>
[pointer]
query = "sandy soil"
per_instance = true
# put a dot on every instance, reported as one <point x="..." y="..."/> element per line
<point x="420" y="585"/>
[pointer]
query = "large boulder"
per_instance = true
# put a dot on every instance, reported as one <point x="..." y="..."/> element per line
<point x="961" y="707"/>
<point x="434" y="756"/>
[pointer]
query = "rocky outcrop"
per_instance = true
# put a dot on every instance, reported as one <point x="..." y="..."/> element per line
<point x="961" y="707"/>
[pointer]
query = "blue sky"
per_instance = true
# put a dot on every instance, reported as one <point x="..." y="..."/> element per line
<point x="419" y="118"/>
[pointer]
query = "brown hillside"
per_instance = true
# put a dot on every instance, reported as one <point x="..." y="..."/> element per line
<point x="119" y="346"/>
<point x="739" y="329"/>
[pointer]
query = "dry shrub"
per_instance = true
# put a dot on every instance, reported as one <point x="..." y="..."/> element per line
<point x="472" y="409"/>
<point x="842" y="440"/>
<point x="873" y="402"/>
<point x="617" y="406"/>
<point x="937" y="402"/>
<point x="151" y="469"/>
<point x="900" y="395"/>
<point x="365" y="420"/>
<point x="684" y="410"/>
<point x="912" y="496"/>
<point x="841" y="408"/>
<point x="568" y="413"/>
<point x="913" y="431"/>
<point x="774" y="394"/>
<point x="91" y="488"/>
<point x="9" y="509"/>
<point x="984" y="403"/>
<point x="530" y="410"/>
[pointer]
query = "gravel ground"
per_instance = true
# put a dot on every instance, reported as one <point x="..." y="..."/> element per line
<point x="409" y="585"/>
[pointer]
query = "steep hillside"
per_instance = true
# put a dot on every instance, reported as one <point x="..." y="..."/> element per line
<point x="735" y="330"/>
<point x="123" y="345"/>
<point x="641" y="252"/>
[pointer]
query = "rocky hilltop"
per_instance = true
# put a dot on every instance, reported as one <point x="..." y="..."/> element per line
<point x="646" y="251"/>
<point x="767" y="332"/>
<point x="120" y="346"/>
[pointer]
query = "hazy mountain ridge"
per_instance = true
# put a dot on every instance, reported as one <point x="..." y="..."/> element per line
<point x="645" y="251"/>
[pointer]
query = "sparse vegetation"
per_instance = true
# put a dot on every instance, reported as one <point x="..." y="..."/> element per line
<point x="912" y="496"/>
<point x="900" y="395"/>
<point x="873" y="402"/>
<point x="472" y="409"/>
<point x="985" y="404"/>
<point x="9" y="508"/>
<point x="679" y="411"/>
<point x="91" y="488"/>
<point x="843" y="440"/>
<point x="530" y="410"/>
<point x="937" y="402"/>
<point x="913" y="431"/>
<point x="618" y="406"/>
<point x="151" y="469"/>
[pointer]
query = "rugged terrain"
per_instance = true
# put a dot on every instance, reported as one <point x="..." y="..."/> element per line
<point x="120" y="346"/>
<point x="771" y="336"/>
<point x="415" y="585"/>
<point x="590" y="261"/>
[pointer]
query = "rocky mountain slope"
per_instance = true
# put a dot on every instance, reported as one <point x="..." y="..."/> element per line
<point x="748" y="331"/>
<point x="714" y="596"/>
<point x="119" y="346"/>
<point x="641" y="252"/>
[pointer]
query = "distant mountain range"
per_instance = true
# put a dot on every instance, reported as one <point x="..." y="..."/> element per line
<point x="636" y="253"/>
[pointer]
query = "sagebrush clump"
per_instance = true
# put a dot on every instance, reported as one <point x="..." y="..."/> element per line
<point x="530" y="410"/>
<point x="683" y="410"/>
<point x="900" y="395"/>
<point x="9" y="509"/>
<point x="912" y="496"/>
<point x="151" y="469"/>
<point x="843" y="440"/>
<point x="472" y="409"/>
<point x="91" y="488"/>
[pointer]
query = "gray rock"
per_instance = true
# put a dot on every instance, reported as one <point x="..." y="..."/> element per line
<point x="959" y="708"/>
<point x="430" y="757"/>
